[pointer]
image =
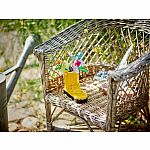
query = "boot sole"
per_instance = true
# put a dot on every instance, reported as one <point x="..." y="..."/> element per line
<point x="76" y="100"/>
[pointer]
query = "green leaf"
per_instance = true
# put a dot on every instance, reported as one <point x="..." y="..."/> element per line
<point x="82" y="68"/>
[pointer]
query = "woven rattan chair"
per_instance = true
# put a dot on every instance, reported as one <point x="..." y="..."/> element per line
<point x="103" y="44"/>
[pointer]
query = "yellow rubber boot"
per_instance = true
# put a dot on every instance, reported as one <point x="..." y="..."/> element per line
<point x="72" y="87"/>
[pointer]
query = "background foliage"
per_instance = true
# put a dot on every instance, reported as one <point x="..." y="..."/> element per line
<point x="44" y="27"/>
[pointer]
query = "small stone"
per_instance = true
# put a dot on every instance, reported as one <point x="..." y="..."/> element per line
<point x="43" y="130"/>
<point x="22" y="130"/>
<point x="13" y="127"/>
<point x="42" y="108"/>
<point x="30" y="123"/>
<point x="62" y="123"/>
<point x="19" y="113"/>
<point x="22" y="104"/>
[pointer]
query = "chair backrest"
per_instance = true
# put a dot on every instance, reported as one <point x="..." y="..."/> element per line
<point x="103" y="44"/>
<point x="124" y="60"/>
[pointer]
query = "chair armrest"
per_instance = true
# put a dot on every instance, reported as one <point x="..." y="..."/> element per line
<point x="131" y="69"/>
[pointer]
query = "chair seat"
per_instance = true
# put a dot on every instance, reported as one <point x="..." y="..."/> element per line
<point x="94" y="110"/>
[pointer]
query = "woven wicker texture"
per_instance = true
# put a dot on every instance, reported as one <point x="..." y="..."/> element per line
<point x="103" y="44"/>
<point x="94" y="110"/>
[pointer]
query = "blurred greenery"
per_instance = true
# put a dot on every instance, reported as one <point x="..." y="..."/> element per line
<point x="44" y="27"/>
<point x="32" y="87"/>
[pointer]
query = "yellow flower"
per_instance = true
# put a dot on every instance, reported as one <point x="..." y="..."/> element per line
<point x="58" y="62"/>
<point x="95" y="49"/>
<point x="85" y="30"/>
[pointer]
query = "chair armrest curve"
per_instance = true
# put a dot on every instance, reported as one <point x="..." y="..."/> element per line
<point x="131" y="69"/>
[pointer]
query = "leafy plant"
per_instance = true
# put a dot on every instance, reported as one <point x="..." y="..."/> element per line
<point x="132" y="120"/>
<point x="44" y="27"/>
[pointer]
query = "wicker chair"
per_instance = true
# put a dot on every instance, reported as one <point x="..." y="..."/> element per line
<point x="103" y="44"/>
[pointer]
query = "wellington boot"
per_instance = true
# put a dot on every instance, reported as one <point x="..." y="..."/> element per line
<point x="72" y="87"/>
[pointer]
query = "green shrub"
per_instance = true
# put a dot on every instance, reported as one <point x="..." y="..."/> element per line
<point x="44" y="27"/>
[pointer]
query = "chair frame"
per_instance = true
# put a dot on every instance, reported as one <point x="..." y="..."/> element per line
<point x="132" y="70"/>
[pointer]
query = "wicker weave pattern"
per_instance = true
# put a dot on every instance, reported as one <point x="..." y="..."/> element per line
<point x="94" y="110"/>
<point x="76" y="31"/>
<point x="103" y="44"/>
<point x="130" y="93"/>
<point x="110" y="49"/>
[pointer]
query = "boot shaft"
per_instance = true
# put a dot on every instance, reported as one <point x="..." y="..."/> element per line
<point x="71" y="80"/>
<point x="72" y="87"/>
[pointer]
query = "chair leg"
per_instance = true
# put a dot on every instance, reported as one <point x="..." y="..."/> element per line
<point x="87" y="124"/>
<point x="48" y="116"/>
<point x="54" y="118"/>
<point x="147" y="115"/>
<point x="119" y="127"/>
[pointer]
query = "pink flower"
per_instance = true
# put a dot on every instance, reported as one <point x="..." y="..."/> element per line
<point x="77" y="63"/>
